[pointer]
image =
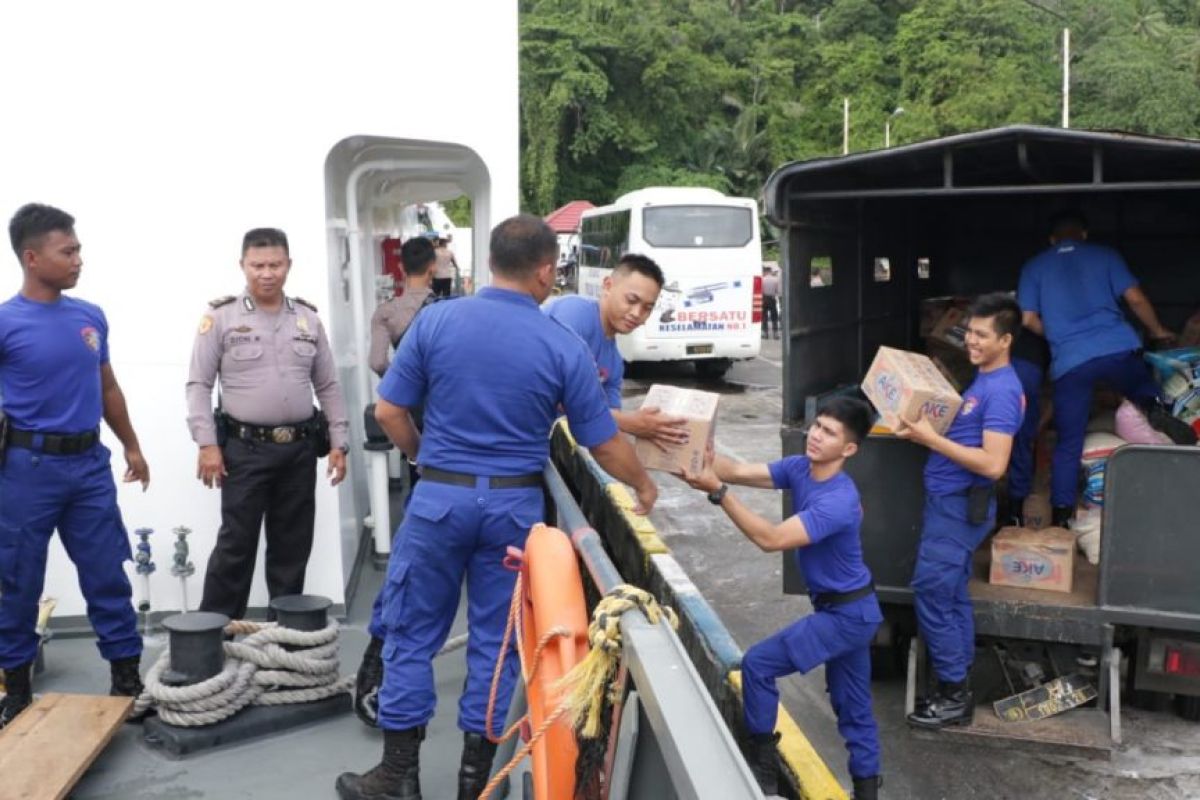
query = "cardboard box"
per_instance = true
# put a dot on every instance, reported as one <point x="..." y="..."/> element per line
<point x="700" y="410"/>
<point x="903" y="384"/>
<point x="1031" y="559"/>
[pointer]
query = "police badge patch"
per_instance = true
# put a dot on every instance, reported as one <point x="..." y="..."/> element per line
<point x="91" y="337"/>
<point x="206" y="323"/>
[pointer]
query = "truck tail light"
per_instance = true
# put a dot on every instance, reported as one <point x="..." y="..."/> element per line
<point x="1181" y="660"/>
<point x="756" y="316"/>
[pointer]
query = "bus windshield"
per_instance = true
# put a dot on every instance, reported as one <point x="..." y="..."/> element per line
<point x="697" y="226"/>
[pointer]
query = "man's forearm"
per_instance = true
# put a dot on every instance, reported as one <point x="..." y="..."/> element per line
<point x="116" y="414"/>
<point x="757" y="529"/>
<point x="627" y="422"/>
<point x="619" y="460"/>
<point x="398" y="425"/>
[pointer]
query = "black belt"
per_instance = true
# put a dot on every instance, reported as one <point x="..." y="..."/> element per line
<point x="273" y="434"/>
<point x="55" y="444"/>
<point x="841" y="598"/>
<point x="494" y="482"/>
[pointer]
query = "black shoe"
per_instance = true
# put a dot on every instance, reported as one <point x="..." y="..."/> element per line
<point x="867" y="788"/>
<point x="953" y="704"/>
<point x="1174" y="428"/>
<point x="1060" y="516"/>
<point x="367" y="683"/>
<point x="476" y="766"/>
<point x="394" y="778"/>
<point x="19" y="692"/>
<point x="763" y="757"/>
<point x="127" y="682"/>
<point x="1016" y="512"/>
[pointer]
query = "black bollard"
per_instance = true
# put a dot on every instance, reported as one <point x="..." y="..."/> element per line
<point x="197" y="647"/>
<point x="302" y="612"/>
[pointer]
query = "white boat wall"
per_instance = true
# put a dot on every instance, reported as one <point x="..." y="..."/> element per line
<point x="169" y="129"/>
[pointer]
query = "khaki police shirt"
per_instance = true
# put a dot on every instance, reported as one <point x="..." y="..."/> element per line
<point x="270" y="365"/>
<point x="444" y="266"/>
<point x="390" y="321"/>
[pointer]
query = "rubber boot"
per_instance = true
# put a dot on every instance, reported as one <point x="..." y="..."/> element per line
<point x="763" y="757"/>
<point x="127" y="682"/>
<point x="1060" y="516"/>
<point x="367" y="683"/>
<point x="394" y="778"/>
<point x="19" y="692"/>
<point x="476" y="766"/>
<point x="867" y="788"/>
<point x="954" y="704"/>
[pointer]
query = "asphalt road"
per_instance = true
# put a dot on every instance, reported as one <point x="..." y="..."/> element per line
<point x="1160" y="759"/>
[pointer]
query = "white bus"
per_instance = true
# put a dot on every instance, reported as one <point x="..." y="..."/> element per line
<point x="709" y="249"/>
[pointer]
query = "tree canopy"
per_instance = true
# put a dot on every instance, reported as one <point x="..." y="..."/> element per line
<point x="618" y="95"/>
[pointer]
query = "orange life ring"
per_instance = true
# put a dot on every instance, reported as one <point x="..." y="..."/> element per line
<point x="553" y="598"/>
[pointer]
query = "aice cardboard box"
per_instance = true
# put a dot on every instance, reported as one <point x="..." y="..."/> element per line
<point x="908" y="385"/>
<point x="700" y="410"/>
<point x="1032" y="559"/>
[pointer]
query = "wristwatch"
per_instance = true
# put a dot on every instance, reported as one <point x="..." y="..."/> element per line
<point x="715" y="497"/>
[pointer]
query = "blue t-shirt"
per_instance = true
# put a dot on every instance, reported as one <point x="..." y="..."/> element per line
<point x="993" y="402"/>
<point x="582" y="315"/>
<point x="832" y="514"/>
<point x="491" y="371"/>
<point x="1075" y="288"/>
<point x="50" y="360"/>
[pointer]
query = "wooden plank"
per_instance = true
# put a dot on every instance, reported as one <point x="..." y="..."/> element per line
<point x="49" y="746"/>
<point x="1079" y="732"/>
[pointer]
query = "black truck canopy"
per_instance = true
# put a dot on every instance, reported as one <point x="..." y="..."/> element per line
<point x="960" y="215"/>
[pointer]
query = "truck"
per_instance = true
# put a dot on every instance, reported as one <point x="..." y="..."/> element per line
<point x="959" y="215"/>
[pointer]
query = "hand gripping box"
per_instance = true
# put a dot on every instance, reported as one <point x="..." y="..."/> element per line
<point x="909" y="385"/>
<point x="700" y="411"/>
<point x="1032" y="559"/>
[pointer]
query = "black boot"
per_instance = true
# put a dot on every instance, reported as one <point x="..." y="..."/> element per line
<point x="763" y="757"/>
<point x="954" y="704"/>
<point x="1016" y="512"/>
<point x="1060" y="516"/>
<point x="1164" y="422"/>
<point x="867" y="788"/>
<point x="476" y="766"/>
<point x="19" y="692"/>
<point x="127" y="682"/>
<point x="394" y="778"/>
<point x="366" y="685"/>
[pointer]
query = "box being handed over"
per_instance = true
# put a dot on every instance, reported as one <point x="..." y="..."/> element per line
<point x="1031" y="559"/>
<point x="700" y="411"/>
<point x="909" y="385"/>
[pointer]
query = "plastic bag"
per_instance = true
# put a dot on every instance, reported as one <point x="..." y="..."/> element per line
<point x="1099" y="445"/>
<point x="1087" y="524"/>
<point x="1134" y="428"/>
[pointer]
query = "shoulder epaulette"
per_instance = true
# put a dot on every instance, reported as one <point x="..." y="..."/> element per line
<point x="305" y="303"/>
<point x="222" y="301"/>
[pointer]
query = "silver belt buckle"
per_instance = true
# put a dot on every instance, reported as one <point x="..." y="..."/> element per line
<point x="285" y="434"/>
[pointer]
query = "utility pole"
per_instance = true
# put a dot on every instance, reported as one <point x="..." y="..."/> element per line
<point x="845" y="125"/>
<point x="1066" y="89"/>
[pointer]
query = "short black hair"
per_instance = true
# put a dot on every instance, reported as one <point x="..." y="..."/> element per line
<point x="417" y="254"/>
<point x="33" y="221"/>
<point x="1067" y="221"/>
<point x="854" y="414"/>
<point x="643" y="265"/>
<point x="521" y="244"/>
<point x="265" y="237"/>
<point x="1001" y="308"/>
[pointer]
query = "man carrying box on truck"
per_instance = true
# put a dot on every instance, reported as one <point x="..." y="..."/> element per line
<point x="960" y="505"/>
<point x="1071" y="294"/>
<point x="824" y="527"/>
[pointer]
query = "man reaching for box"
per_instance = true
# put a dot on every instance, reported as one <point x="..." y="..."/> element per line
<point x="825" y="528"/>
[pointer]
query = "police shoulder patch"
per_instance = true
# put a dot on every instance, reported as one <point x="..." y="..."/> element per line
<point x="206" y="323"/>
<point x="222" y="301"/>
<point x="305" y="303"/>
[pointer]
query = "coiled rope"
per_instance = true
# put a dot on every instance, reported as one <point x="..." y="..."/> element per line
<point x="258" y="671"/>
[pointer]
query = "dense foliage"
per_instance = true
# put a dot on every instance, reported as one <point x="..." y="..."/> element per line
<point x="617" y="94"/>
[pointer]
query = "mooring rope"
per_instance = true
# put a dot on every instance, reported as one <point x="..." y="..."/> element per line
<point x="258" y="671"/>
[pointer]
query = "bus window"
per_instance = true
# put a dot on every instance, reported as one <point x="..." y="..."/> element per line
<point x="820" y="271"/>
<point x="883" y="269"/>
<point x="697" y="226"/>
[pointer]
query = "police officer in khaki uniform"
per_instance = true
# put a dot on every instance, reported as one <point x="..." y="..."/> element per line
<point x="271" y="353"/>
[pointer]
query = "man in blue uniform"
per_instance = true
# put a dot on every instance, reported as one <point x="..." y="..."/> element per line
<point x="626" y="301"/>
<point x="1071" y="293"/>
<point x="57" y="382"/>
<point x="960" y="504"/>
<point x="824" y="527"/>
<point x="492" y="372"/>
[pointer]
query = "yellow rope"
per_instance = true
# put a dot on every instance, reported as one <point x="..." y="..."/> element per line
<point x="591" y="681"/>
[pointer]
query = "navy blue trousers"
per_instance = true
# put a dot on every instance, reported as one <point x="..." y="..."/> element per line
<point x="452" y="533"/>
<point x="840" y="638"/>
<point x="1126" y="373"/>
<point x="1020" y="465"/>
<point x="945" y="616"/>
<point x="77" y="496"/>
